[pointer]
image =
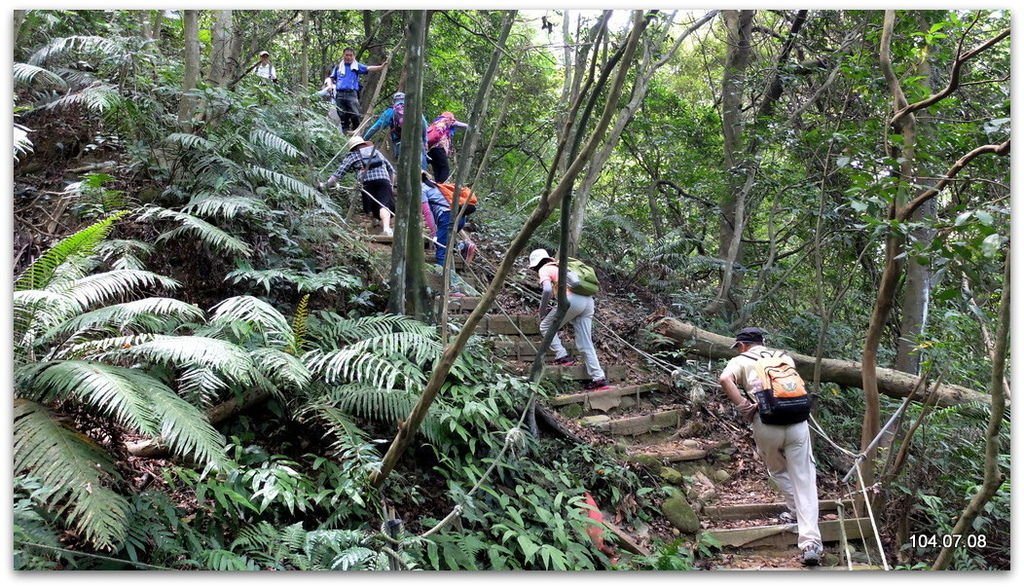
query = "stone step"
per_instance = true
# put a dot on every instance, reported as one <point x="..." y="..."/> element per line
<point x="499" y="324"/>
<point x="464" y="304"/>
<point x="613" y="373"/>
<point x="673" y="456"/>
<point x="605" y="400"/>
<point x="639" y="425"/>
<point x="785" y="535"/>
<point x="742" y="512"/>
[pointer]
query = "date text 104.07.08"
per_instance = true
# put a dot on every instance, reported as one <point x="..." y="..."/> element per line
<point x="947" y="541"/>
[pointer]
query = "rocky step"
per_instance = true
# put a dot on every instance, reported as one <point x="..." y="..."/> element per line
<point x="638" y="425"/>
<point x="499" y="324"/>
<point x="785" y="535"/>
<point x="742" y="512"/>
<point x="613" y="373"/>
<point x="463" y="304"/>
<point x="605" y="400"/>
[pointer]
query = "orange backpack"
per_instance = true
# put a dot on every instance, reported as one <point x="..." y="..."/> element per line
<point x="782" y="398"/>
<point x="448" y="189"/>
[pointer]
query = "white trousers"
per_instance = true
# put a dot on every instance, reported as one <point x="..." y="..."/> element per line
<point x="786" y="450"/>
<point x="581" y="313"/>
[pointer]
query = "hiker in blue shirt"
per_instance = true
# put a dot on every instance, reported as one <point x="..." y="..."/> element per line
<point x="392" y="118"/>
<point x="345" y="78"/>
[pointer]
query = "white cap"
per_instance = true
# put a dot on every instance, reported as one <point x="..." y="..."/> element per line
<point x="262" y="53"/>
<point x="354" y="141"/>
<point x="537" y="256"/>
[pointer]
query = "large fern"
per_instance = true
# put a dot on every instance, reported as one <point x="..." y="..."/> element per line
<point x="78" y="471"/>
<point x="81" y="243"/>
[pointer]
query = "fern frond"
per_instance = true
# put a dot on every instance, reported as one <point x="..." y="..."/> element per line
<point x="61" y="46"/>
<point x="194" y="226"/>
<point x="349" y="442"/>
<point x="352" y="557"/>
<point x="263" y="317"/>
<point x="323" y="546"/>
<point x="332" y="330"/>
<point x="274" y="143"/>
<point x="104" y="287"/>
<point x="263" y="277"/>
<point x="389" y="406"/>
<point x="348" y="365"/>
<point x="200" y="385"/>
<point x="204" y="231"/>
<point x="185" y="351"/>
<point x="150" y="314"/>
<point x="38" y="311"/>
<point x="124" y="253"/>
<point x="222" y="560"/>
<point x="185" y="428"/>
<point x="22" y="144"/>
<point x="98" y="98"/>
<point x="27" y="75"/>
<point x="190" y="141"/>
<point x="225" y="206"/>
<point x="286" y="183"/>
<point x="283" y="369"/>
<point x="81" y="243"/>
<point x="299" y="326"/>
<point x="76" y="469"/>
<point x="111" y="390"/>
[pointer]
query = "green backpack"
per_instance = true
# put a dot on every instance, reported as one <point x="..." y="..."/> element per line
<point x="585" y="281"/>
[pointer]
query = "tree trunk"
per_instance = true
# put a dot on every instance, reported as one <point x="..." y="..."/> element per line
<point x="738" y="26"/>
<point x="408" y="293"/>
<point x="992" y="477"/>
<point x="378" y="53"/>
<point x="220" y="50"/>
<point x="892" y="383"/>
<point x="186" y="106"/>
<point x="304" y="67"/>
<point x="916" y="290"/>
<point x="547" y="202"/>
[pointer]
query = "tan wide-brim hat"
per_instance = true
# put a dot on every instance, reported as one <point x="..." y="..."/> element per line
<point x="353" y="142"/>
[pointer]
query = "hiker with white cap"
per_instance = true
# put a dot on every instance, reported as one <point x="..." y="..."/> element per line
<point x="775" y="402"/>
<point x="580" y="312"/>
<point x="376" y="178"/>
<point x="264" y="69"/>
<point x="393" y="117"/>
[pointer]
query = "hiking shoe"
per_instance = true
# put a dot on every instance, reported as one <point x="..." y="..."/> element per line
<point x="787" y="518"/>
<point x="812" y="555"/>
<point x="564" y="360"/>
<point x="388" y="232"/>
<point x="598" y="384"/>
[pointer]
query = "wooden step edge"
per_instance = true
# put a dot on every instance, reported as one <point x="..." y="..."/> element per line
<point x="614" y="373"/>
<point x="739" y="512"/>
<point x="669" y="456"/>
<point x="639" y="425"/>
<point x="783" y="535"/>
<point x="614" y="392"/>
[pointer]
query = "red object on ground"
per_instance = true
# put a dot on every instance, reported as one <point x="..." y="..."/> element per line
<point x="595" y="531"/>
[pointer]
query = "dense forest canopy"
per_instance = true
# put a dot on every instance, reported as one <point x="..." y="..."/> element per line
<point x="215" y="369"/>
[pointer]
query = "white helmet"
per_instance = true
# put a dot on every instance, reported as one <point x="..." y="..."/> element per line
<point x="537" y="256"/>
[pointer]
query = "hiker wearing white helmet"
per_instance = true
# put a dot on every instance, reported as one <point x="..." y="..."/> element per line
<point x="392" y="118"/>
<point x="264" y="69"/>
<point x="376" y="178"/>
<point x="580" y="312"/>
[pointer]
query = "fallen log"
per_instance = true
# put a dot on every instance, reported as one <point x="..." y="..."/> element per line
<point x="893" y="383"/>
